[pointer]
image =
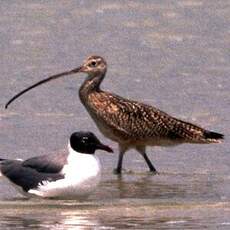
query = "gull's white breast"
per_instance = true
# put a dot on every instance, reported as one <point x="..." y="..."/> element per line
<point x="81" y="176"/>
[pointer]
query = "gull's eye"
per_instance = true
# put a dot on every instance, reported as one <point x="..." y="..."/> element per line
<point x="93" y="63"/>
<point x="85" y="139"/>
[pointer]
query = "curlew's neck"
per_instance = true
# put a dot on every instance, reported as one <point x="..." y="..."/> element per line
<point x="91" y="84"/>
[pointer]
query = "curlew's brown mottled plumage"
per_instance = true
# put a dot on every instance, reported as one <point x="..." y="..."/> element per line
<point x="130" y="123"/>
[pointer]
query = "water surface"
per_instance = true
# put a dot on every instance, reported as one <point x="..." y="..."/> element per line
<point x="174" y="55"/>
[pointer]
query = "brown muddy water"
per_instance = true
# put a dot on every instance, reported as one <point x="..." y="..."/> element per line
<point x="171" y="54"/>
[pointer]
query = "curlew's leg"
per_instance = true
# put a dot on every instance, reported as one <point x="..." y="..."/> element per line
<point x="149" y="163"/>
<point x="141" y="150"/>
<point x="122" y="151"/>
<point x="119" y="164"/>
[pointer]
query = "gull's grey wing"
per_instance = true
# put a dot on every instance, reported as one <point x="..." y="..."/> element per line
<point x="26" y="177"/>
<point x="52" y="163"/>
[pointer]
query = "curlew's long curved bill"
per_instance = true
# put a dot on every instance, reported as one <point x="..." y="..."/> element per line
<point x="42" y="82"/>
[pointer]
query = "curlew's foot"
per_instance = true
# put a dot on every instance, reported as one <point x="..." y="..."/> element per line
<point x="117" y="171"/>
<point x="154" y="172"/>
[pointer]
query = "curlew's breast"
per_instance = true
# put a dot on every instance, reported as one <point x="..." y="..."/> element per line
<point x="107" y="115"/>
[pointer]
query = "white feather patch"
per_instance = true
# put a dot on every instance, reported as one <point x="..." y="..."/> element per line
<point x="82" y="175"/>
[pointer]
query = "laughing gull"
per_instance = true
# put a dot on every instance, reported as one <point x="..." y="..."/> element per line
<point x="67" y="175"/>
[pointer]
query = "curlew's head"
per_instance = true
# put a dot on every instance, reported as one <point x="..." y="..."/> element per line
<point x="93" y="66"/>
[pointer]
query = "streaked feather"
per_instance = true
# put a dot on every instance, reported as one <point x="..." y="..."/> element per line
<point x="136" y="121"/>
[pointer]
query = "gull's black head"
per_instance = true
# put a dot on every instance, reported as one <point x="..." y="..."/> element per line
<point x="87" y="142"/>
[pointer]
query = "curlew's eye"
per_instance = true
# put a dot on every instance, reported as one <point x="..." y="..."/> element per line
<point x="93" y="63"/>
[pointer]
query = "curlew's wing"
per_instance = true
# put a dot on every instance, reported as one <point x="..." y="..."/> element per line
<point x="134" y="120"/>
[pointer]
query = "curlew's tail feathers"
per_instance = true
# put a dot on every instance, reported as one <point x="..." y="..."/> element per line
<point x="1" y="159"/>
<point x="212" y="136"/>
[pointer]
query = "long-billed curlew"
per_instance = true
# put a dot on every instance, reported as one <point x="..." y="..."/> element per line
<point x="130" y="123"/>
<point x="68" y="175"/>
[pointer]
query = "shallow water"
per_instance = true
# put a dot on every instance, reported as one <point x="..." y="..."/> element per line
<point x="171" y="54"/>
<point x="116" y="214"/>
